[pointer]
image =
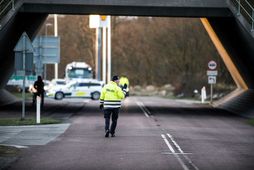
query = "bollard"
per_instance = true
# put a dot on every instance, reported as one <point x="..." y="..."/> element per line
<point x="203" y="94"/>
<point x="38" y="109"/>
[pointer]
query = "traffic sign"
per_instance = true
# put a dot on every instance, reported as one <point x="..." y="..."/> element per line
<point x="212" y="72"/>
<point x="211" y="79"/>
<point x="24" y="54"/>
<point x="212" y="65"/>
<point x="99" y="21"/>
<point x="46" y="51"/>
<point x="24" y="44"/>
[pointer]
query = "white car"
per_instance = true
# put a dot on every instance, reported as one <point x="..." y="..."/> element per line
<point x="53" y="84"/>
<point x="78" y="89"/>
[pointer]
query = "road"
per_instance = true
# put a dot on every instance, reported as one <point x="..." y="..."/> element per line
<point x="152" y="133"/>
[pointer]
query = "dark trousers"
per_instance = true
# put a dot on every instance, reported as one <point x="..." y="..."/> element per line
<point x="107" y="114"/>
<point x="42" y="99"/>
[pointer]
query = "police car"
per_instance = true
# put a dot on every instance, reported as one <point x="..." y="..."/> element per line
<point x="77" y="89"/>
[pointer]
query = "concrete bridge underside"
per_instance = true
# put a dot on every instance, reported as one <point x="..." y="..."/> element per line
<point x="238" y="43"/>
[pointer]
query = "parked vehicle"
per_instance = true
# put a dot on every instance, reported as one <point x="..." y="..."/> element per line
<point x="78" y="70"/>
<point x="77" y="89"/>
<point x="17" y="82"/>
<point x="55" y="83"/>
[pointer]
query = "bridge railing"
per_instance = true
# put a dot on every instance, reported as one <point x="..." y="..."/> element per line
<point x="246" y="9"/>
<point x="6" y="6"/>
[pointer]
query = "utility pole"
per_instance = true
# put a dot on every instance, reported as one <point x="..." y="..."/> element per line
<point x="104" y="50"/>
<point x="46" y="34"/>
<point x="109" y="49"/>
<point x="56" y="34"/>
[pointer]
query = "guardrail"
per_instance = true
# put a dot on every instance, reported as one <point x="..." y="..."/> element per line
<point x="6" y="6"/>
<point x="246" y="9"/>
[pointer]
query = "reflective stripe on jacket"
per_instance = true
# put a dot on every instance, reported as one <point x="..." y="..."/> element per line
<point x="111" y="95"/>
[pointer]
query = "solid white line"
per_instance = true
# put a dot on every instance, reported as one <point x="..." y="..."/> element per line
<point x="173" y="151"/>
<point x="142" y="108"/>
<point x="16" y="146"/>
<point x="181" y="151"/>
<point x="167" y="143"/>
<point x="169" y="153"/>
<point x="174" y="142"/>
<point x="147" y="111"/>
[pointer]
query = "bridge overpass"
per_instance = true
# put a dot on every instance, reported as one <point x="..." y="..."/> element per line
<point x="228" y="29"/>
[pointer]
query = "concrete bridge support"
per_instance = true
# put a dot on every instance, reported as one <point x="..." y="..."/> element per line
<point x="9" y="36"/>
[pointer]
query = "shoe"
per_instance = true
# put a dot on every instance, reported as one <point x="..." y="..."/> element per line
<point x="113" y="135"/>
<point x="107" y="134"/>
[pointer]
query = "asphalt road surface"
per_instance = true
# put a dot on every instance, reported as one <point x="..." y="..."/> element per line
<point x="152" y="133"/>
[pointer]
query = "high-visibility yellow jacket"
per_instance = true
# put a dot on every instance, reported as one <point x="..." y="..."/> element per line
<point x="124" y="80"/>
<point x="111" y="95"/>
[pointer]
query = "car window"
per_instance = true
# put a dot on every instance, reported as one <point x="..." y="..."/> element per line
<point x="95" y="84"/>
<point x="60" y="82"/>
<point x="83" y="84"/>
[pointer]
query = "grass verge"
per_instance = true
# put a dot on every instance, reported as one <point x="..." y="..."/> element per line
<point x="6" y="151"/>
<point x="28" y="121"/>
<point x="251" y="121"/>
<point x="19" y="95"/>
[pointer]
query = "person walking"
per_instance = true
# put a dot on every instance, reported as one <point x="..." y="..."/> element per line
<point x="39" y="87"/>
<point x="124" y="84"/>
<point x="110" y="99"/>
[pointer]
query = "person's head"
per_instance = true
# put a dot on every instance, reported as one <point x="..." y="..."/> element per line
<point x="115" y="79"/>
<point x="39" y="78"/>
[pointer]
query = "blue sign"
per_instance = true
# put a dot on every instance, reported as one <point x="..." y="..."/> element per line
<point x="46" y="50"/>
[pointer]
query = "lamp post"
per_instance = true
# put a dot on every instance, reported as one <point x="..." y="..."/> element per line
<point x="56" y="34"/>
<point x="46" y="34"/>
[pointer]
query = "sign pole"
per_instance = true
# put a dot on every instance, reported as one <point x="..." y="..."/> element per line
<point x="23" y="63"/>
<point x="24" y="77"/>
<point x="212" y="73"/>
<point x="211" y="94"/>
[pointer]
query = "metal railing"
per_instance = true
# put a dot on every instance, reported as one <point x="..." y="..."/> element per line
<point x="6" y="6"/>
<point x="246" y="9"/>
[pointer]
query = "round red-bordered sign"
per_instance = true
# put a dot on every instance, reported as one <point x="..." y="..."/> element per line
<point x="212" y="65"/>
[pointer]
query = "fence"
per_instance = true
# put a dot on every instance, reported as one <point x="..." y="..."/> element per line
<point x="246" y="9"/>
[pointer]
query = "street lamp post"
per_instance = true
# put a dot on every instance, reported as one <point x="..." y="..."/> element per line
<point x="46" y="34"/>
<point x="56" y="34"/>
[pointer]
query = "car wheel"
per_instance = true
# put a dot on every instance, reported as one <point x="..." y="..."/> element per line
<point x="95" y="95"/>
<point x="59" y="95"/>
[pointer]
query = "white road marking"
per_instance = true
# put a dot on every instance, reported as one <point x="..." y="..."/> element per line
<point x="142" y="107"/>
<point x="16" y="146"/>
<point x="181" y="151"/>
<point x="168" y="144"/>
<point x="174" y="142"/>
<point x="170" y="153"/>
<point x="173" y="152"/>
<point x="176" y="154"/>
